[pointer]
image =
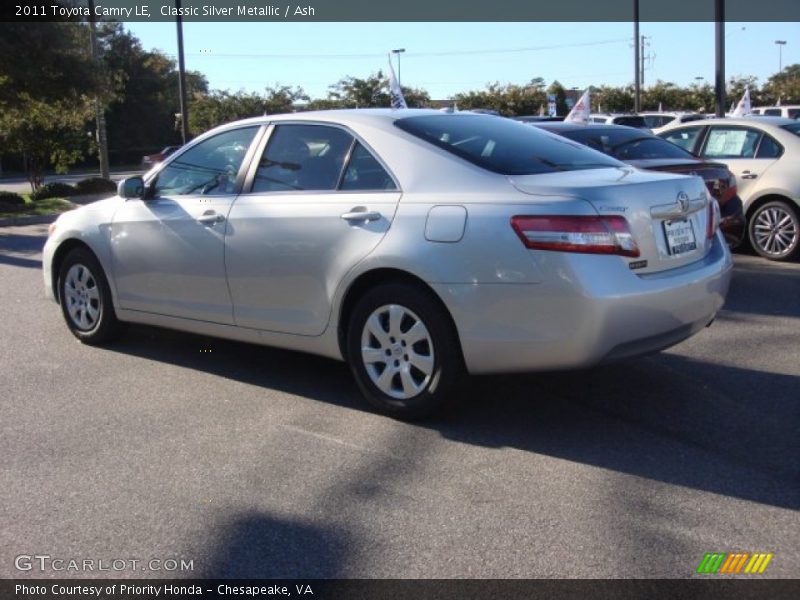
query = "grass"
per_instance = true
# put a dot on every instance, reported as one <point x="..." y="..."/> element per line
<point x="48" y="206"/>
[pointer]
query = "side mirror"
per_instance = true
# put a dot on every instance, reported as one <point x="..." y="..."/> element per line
<point x="131" y="187"/>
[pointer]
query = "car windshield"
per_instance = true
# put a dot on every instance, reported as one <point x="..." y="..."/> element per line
<point x="632" y="121"/>
<point x="502" y="145"/>
<point x="792" y="128"/>
<point x="626" y="144"/>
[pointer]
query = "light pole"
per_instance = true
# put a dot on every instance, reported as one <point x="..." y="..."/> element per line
<point x="780" y="44"/>
<point x="398" y="52"/>
<point x="182" y="77"/>
<point x="637" y="90"/>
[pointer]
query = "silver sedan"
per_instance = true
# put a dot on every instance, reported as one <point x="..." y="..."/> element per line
<point x="414" y="244"/>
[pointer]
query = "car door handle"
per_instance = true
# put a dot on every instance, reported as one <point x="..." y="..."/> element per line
<point x="210" y="218"/>
<point x="748" y="175"/>
<point x="361" y="215"/>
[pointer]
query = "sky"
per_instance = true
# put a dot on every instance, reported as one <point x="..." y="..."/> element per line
<point x="447" y="58"/>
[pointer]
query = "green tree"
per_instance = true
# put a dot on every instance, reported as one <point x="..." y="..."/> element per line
<point x="509" y="100"/>
<point x="47" y="82"/>
<point x="613" y="99"/>
<point x="142" y="116"/>
<point x="784" y="86"/>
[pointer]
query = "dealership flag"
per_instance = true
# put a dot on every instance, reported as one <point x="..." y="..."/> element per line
<point x="743" y="108"/>
<point x="659" y="107"/>
<point x="394" y="89"/>
<point x="581" y="111"/>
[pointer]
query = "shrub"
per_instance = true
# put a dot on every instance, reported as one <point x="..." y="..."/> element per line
<point x="8" y="199"/>
<point x="95" y="185"/>
<point x="55" y="189"/>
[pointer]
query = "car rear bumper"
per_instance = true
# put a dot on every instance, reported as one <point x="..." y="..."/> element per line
<point x="590" y="310"/>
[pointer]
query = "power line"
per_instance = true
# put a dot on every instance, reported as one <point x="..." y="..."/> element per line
<point x="410" y="54"/>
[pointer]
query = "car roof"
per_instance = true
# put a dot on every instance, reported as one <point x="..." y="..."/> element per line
<point x="572" y="126"/>
<point x="758" y="120"/>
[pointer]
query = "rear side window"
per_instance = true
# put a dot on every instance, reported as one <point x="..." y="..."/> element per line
<point x="302" y="157"/>
<point x="685" y="138"/>
<point x="502" y="145"/>
<point x="653" y="121"/>
<point x="772" y="112"/>
<point x="769" y="148"/>
<point x="793" y="113"/>
<point x="364" y="172"/>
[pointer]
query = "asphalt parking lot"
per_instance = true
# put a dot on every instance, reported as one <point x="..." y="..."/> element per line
<point x="255" y="462"/>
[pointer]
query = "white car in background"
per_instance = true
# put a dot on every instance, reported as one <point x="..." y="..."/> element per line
<point x="619" y="119"/>
<point x="656" y="121"/>
<point x="791" y="111"/>
<point x="764" y="155"/>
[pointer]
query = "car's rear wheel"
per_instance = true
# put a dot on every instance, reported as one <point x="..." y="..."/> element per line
<point x="774" y="230"/>
<point x="404" y="351"/>
<point x="86" y="298"/>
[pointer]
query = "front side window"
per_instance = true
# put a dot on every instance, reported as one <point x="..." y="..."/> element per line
<point x="502" y="145"/>
<point x="302" y="157"/>
<point x="772" y="112"/>
<point x="731" y="142"/>
<point x="686" y="138"/>
<point x="209" y="168"/>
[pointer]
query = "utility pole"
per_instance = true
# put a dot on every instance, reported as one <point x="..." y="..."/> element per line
<point x="637" y="98"/>
<point x="719" y="75"/>
<point x="644" y="57"/>
<point x="99" y="111"/>
<point x="182" y="76"/>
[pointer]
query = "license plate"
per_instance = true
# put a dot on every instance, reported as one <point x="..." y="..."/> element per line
<point x="680" y="236"/>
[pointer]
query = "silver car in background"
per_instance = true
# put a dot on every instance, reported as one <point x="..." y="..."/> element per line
<point x="414" y="244"/>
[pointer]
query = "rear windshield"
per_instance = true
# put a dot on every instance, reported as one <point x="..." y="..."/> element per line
<point x="632" y="121"/>
<point x="793" y="128"/>
<point x="502" y="145"/>
<point x="626" y="143"/>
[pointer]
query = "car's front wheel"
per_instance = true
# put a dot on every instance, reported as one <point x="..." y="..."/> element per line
<point x="404" y="351"/>
<point x="86" y="298"/>
<point x="774" y="230"/>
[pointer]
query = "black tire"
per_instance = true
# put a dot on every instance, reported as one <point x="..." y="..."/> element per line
<point x="437" y="387"/>
<point x="85" y="298"/>
<point x="774" y="230"/>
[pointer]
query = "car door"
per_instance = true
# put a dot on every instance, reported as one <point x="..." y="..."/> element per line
<point x="746" y="151"/>
<point x="319" y="201"/>
<point x="168" y="250"/>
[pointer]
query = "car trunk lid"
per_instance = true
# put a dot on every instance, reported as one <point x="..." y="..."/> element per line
<point x="668" y="215"/>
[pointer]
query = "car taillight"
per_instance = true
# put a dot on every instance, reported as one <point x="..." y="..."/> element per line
<point x="590" y="235"/>
<point x="712" y="218"/>
<point x="729" y="191"/>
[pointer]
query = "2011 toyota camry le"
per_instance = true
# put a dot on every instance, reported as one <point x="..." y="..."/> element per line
<point x="416" y="245"/>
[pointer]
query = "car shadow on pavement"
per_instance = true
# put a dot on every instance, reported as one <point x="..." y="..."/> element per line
<point x="20" y="250"/>
<point x="764" y="288"/>
<point x="260" y="546"/>
<point x="669" y="418"/>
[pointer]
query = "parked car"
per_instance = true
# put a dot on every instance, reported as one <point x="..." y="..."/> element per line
<point x="763" y="154"/>
<point x="153" y="159"/>
<point x="414" y="244"/>
<point x="615" y="119"/>
<point x="647" y="151"/>
<point x="656" y="120"/>
<point x="790" y="111"/>
<point x="537" y="118"/>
